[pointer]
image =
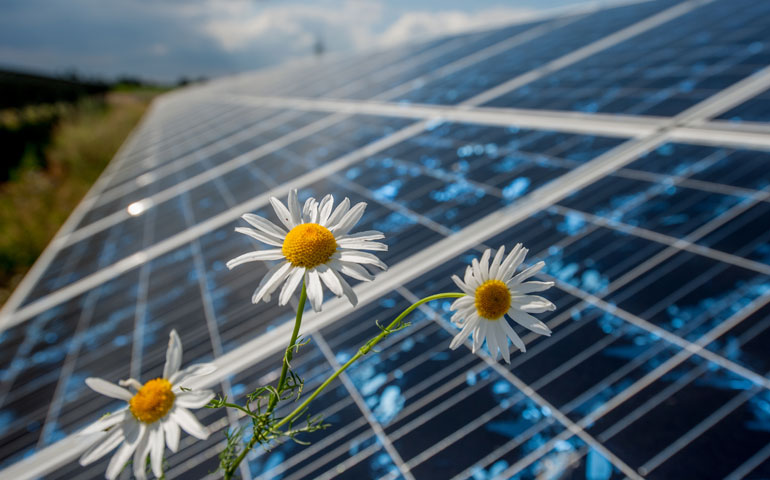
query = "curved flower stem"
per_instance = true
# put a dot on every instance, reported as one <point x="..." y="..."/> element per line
<point x="366" y="348"/>
<point x="288" y="354"/>
<point x="361" y="352"/>
<point x="281" y="381"/>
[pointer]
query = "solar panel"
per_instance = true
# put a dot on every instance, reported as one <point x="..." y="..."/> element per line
<point x="625" y="146"/>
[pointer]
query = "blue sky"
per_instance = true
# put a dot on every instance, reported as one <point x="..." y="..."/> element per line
<point x="166" y="39"/>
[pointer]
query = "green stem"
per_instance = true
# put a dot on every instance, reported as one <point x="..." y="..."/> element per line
<point x="361" y="352"/>
<point x="290" y="349"/>
<point x="288" y="354"/>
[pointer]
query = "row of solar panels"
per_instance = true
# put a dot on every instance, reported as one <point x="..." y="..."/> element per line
<point x="198" y="157"/>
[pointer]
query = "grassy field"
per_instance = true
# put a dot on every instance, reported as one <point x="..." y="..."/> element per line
<point x="55" y="172"/>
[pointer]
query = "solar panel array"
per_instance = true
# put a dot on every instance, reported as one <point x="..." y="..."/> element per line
<point x="628" y="147"/>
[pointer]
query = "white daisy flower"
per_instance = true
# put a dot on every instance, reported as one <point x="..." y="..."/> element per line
<point x="315" y="246"/>
<point x="152" y="417"/>
<point x="492" y="290"/>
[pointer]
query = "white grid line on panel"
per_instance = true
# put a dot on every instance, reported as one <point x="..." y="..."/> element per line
<point x="692" y="347"/>
<point x="199" y="179"/>
<point x="194" y="142"/>
<point x="177" y="164"/>
<point x="746" y="467"/>
<point x="365" y="411"/>
<point x="571" y="122"/>
<point x="697" y="431"/>
<point x="527" y="390"/>
<point x="584" y="52"/>
<point x="668" y="240"/>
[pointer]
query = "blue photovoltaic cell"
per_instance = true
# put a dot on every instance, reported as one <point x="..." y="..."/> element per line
<point x="379" y="83"/>
<point x="488" y="73"/>
<point x="755" y="110"/>
<point x="662" y="71"/>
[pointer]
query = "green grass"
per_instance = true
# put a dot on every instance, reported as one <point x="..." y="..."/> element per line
<point x="42" y="192"/>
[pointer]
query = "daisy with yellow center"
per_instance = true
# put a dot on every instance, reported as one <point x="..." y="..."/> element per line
<point x="315" y="246"/>
<point x="493" y="291"/>
<point x="152" y="418"/>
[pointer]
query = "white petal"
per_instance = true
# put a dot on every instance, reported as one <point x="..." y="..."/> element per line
<point x="314" y="292"/>
<point x="513" y="335"/>
<point x="512" y="262"/>
<point x="462" y="302"/>
<point x="264" y="224"/>
<point x="171" y="429"/>
<point x="349" y="220"/>
<point x="173" y="355"/>
<point x="325" y="210"/>
<point x="479" y="334"/>
<point x="367" y="235"/>
<point x="534" y="304"/>
<point x="477" y="270"/>
<point x="192" y="371"/>
<point x="532" y="286"/>
<point x="140" y="456"/>
<point x="307" y="210"/>
<point x="292" y="282"/>
<point x="268" y="254"/>
<point x="131" y="383"/>
<point x="347" y="290"/>
<point x="494" y="267"/>
<point x="157" y="446"/>
<point x="104" y="444"/>
<point x="338" y="213"/>
<point x="360" y="257"/>
<point x="271" y="280"/>
<point x="194" y="399"/>
<point x="492" y="344"/>
<point x="503" y="340"/>
<point x="353" y="270"/>
<point x="329" y="279"/>
<point x="526" y="273"/>
<point x="484" y="264"/>
<point x="362" y="245"/>
<point x="263" y="237"/>
<point x="462" y="285"/>
<point x="462" y="336"/>
<point x="528" y="321"/>
<point x="282" y="212"/>
<point x="105" y="422"/>
<point x="109" y="389"/>
<point x="295" y="215"/>
<point x="133" y="431"/>
<point x="468" y="278"/>
<point x="189" y="423"/>
<point x="314" y="211"/>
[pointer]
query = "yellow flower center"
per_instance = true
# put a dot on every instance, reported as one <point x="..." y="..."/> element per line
<point x="493" y="299"/>
<point x="309" y="245"/>
<point x="153" y="401"/>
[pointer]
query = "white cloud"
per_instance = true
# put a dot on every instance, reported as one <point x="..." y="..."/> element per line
<point x="347" y="25"/>
<point x="418" y="25"/>
<point x="239" y="25"/>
